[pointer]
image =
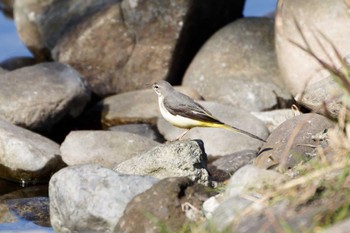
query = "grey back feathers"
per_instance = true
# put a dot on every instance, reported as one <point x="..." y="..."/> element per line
<point x="179" y="104"/>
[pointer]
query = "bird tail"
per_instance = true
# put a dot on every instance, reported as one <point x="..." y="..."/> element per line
<point x="237" y="130"/>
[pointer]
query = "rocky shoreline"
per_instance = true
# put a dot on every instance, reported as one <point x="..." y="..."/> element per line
<point x="81" y="117"/>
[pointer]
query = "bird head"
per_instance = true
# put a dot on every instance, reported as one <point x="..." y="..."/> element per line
<point x="161" y="87"/>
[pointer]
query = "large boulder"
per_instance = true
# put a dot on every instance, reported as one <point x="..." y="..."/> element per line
<point x="294" y="141"/>
<point x="91" y="198"/>
<point x="311" y="24"/>
<point x="39" y="96"/>
<point x="164" y="203"/>
<point x="178" y="159"/>
<point x="121" y="45"/>
<point x="106" y="148"/>
<point x="238" y="66"/>
<point x="27" y="157"/>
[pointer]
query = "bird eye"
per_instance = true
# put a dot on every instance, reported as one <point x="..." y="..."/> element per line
<point x="155" y="86"/>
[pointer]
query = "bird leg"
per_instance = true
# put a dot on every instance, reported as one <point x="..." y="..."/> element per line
<point x="181" y="136"/>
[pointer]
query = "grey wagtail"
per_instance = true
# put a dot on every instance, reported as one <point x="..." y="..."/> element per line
<point x="183" y="112"/>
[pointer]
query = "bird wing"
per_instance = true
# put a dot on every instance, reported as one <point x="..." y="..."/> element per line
<point x="182" y="105"/>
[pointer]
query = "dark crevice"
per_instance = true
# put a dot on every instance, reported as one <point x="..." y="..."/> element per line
<point x="203" y="19"/>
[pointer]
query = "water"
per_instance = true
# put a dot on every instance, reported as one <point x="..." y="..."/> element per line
<point x="11" y="46"/>
<point x="23" y="226"/>
<point x="259" y="7"/>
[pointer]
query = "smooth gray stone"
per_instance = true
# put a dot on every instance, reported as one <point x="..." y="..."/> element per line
<point x="91" y="198"/>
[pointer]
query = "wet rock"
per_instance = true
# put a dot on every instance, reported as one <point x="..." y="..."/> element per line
<point x="238" y="63"/>
<point x="135" y="106"/>
<point x="26" y="192"/>
<point x="37" y="97"/>
<point x="177" y="159"/>
<point x="7" y="186"/>
<point x="231" y="163"/>
<point x="106" y="148"/>
<point x="220" y="142"/>
<point x="274" y="118"/>
<point x="293" y="141"/>
<point x="17" y="62"/>
<point x="144" y="130"/>
<point x="90" y="198"/>
<point x="25" y="156"/>
<point x="35" y="209"/>
<point x="6" y="216"/>
<point x="7" y="8"/>
<point x="164" y="203"/>
<point x="316" y="21"/>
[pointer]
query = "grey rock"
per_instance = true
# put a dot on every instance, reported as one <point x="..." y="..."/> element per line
<point x="27" y="16"/>
<point x="238" y="214"/>
<point x="90" y="198"/>
<point x="225" y="209"/>
<point x="237" y="66"/>
<point x="250" y="179"/>
<point x="274" y="118"/>
<point x="211" y="204"/>
<point x="39" y="96"/>
<point x="167" y="35"/>
<point x="231" y="163"/>
<point x="178" y="159"/>
<point x="98" y="45"/>
<point x="106" y="148"/>
<point x="229" y="211"/>
<point x="25" y="156"/>
<point x="316" y="20"/>
<point x="163" y="204"/>
<point x="324" y="96"/>
<point x="220" y="142"/>
<point x="145" y="130"/>
<point x="293" y="220"/>
<point x="139" y="106"/>
<point x="340" y="227"/>
<point x="40" y="24"/>
<point x="3" y="71"/>
<point x="303" y="133"/>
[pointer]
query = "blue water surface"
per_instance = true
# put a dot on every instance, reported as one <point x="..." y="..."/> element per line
<point x="259" y="7"/>
<point x="23" y="226"/>
<point x="10" y="44"/>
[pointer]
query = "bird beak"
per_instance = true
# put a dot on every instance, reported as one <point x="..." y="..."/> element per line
<point x="148" y="85"/>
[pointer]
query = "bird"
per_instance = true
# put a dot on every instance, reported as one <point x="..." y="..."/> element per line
<point x="182" y="111"/>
